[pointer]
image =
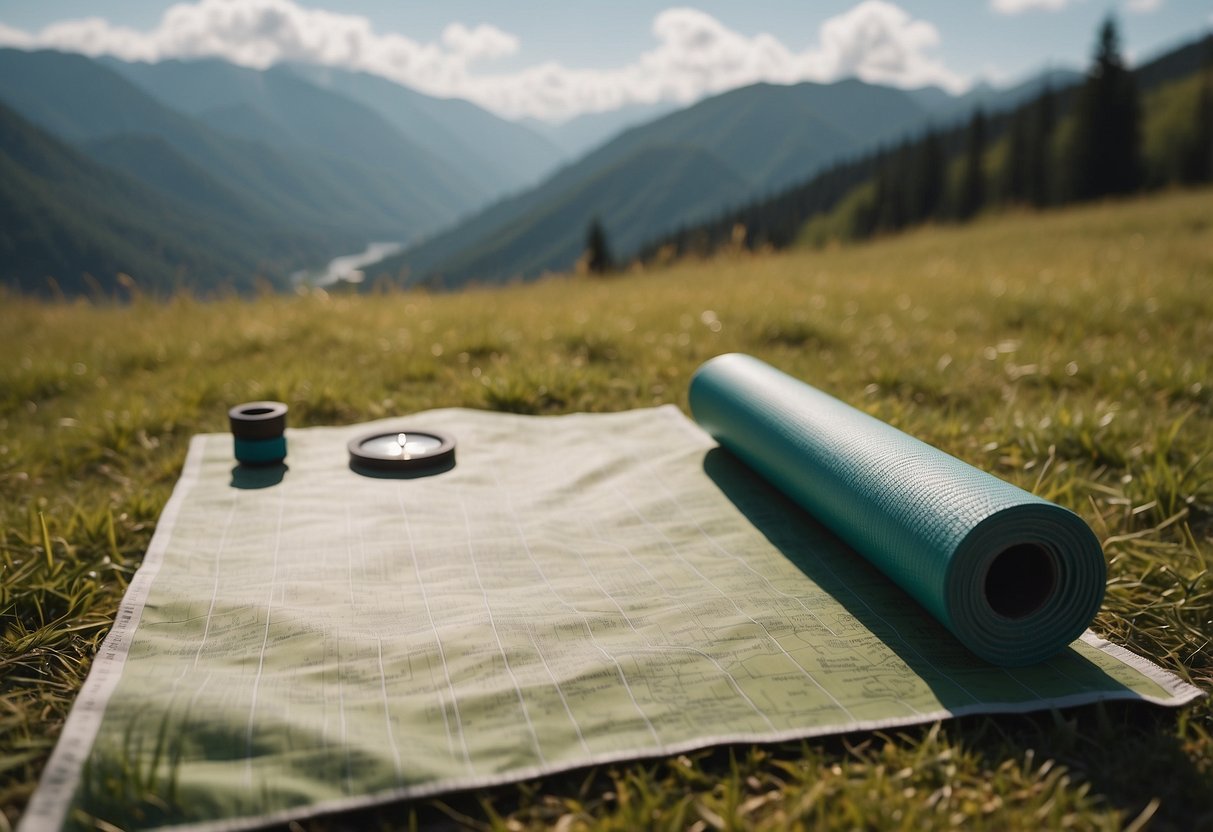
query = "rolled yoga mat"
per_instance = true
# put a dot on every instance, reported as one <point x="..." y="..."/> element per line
<point x="1014" y="577"/>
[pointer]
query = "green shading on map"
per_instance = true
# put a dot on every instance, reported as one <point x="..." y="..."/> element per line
<point x="578" y="589"/>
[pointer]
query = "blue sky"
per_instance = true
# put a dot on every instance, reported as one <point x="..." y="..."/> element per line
<point x="555" y="60"/>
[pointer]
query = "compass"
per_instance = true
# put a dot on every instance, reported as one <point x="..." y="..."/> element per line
<point x="403" y="450"/>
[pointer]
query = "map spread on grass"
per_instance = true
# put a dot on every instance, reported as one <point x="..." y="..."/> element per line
<point x="576" y="590"/>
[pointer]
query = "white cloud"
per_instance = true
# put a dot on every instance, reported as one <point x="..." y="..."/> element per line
<point x="484" y="41"/>
<point x="695" y="54"/>
<point x="879" y="42"/>
<point x="15" y="37"/>
<point x="1143" y="6"/>
<point x="1020" y="6"/>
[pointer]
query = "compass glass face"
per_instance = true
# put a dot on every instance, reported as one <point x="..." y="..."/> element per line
<point x="401" y="445"/>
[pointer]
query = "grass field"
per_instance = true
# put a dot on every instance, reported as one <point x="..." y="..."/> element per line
<point x="1070" y="353"/>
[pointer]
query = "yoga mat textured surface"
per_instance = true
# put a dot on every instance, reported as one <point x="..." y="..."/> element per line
<point x="1014" y="577"/>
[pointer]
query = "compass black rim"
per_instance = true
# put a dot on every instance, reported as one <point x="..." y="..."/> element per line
<point x="443" y="455"/>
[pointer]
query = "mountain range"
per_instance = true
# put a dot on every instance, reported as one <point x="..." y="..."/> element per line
<point x="202" y="174"/>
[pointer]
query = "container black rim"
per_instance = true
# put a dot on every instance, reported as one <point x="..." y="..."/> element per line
<point x="258" y="420"/>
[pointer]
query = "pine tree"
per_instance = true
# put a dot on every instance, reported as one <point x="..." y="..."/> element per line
<point x="972" y="194"/>
<point x="597" y="253"/>
<point x="1105" y="158"/>
<point x="927" y="178"/>
<point x="1197" y="162"/>
<point x="1038" y="164"/>
<point x="894" y="188"/>
<point x="1015" y="167"/>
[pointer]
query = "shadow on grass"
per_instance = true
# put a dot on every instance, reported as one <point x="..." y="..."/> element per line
<point x="1134" y="756"/>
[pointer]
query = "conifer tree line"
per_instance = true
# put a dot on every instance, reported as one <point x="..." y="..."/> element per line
<point x="1080" y="143"/>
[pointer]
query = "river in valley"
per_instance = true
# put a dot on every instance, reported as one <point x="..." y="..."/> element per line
<point x="347" y="267"/>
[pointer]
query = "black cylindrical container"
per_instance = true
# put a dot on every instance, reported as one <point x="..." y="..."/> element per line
<point x="258" y="429"/>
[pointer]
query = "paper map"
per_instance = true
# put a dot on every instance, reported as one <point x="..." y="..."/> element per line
<point x="578" y="589"/>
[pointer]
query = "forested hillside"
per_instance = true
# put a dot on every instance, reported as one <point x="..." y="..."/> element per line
<point x="1116" y="132"/>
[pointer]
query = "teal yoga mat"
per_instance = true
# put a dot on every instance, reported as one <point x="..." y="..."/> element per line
<point x="1014" y="577"/>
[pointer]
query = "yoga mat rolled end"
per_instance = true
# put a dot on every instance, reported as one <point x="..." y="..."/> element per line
<point x="1024" y="583"/>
